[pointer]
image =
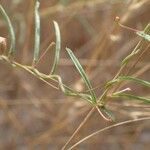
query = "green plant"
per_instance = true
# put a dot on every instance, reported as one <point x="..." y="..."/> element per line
<point x="111" y="90"/>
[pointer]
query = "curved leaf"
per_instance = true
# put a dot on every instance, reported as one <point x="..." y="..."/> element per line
<point x="57" y="48"/>
<point x="12" y="48"/>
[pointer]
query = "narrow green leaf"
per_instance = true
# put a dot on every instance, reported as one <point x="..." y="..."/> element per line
<point x="70" y="92"/>
<point x="144" y="35"/>
<point x="57" y="48"/>
<point x="129" y="78"/>
<point x="136" y="80"/>
<point x="82" y="73"/>
<point x="37" y="32"/>
<point x="109" y="83"/>
<point x="86" y="97"/>
<point x="126" y="59"/>
<point x="12" y="48"/>
<point x="131" y="97"/>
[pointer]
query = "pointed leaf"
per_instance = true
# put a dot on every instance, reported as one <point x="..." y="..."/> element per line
<point x="132" y="97"/>
<point x="82" y="73"/>
<point x="129" y="78"/>
<point x="136" y="80"/>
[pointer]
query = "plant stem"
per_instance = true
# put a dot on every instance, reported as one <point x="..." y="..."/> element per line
<point x="79" y="127"/>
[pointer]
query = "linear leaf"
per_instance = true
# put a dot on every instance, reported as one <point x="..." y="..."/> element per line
<point x="129" y="78"/>
<point x="82" y="73"/>
<point x="37" y="32"/>
<point x="12" y="48"/>
<point x="136" y="80"/>
<point x="57" y="48"/>
<point x="131" y="97"/>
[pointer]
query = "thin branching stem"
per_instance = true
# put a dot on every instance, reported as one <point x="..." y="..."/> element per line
<point x="44" y="53"/>
<point x="102" y="99"/>
<point x="79" y="127"/>
<point x="108" y="128"/>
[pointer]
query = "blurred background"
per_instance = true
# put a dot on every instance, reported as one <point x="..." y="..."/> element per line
<point x="33" y="115"/>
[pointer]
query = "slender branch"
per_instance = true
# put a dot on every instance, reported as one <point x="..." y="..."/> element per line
<point x="79" y="127"/>
<point x="107" y="128"/>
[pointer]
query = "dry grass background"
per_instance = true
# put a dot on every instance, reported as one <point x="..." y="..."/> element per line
<point x="36" y="116"/>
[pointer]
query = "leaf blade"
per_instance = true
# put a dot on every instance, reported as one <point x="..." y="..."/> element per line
<point x="82" y="73"/>
<point x="129" y="78"/>
<point x="57" y="47"/>
<point x="37" y="32"/>
<point x="130" y="97"/>
<point x="12" y="48"/>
